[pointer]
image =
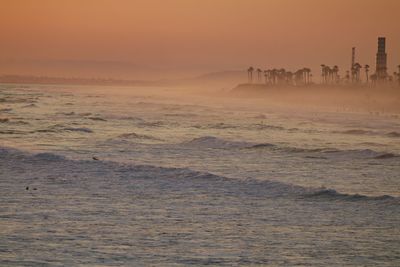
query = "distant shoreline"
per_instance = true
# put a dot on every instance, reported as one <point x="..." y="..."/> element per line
<point x="263" y="88"/>
<point x="20" y="79"/>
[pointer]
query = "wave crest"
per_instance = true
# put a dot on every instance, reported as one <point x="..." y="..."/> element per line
<point x="393" y="134"/>
<point x="134" y="135"/>
<point x="48" y="163"/>
<point x="334" y="195"/>
<point x="214" y="142"/>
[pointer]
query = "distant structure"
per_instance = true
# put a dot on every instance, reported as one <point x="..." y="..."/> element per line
<point x="330" y="75"/>
<point x="250" y="74"/>
<point x="355" y="67"/>
<point x="353" y="61"/>
<point x="381" y="60"/>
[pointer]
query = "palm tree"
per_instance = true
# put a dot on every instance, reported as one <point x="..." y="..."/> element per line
<point x="357" y="68"/>
<point x="335" y="73"/>
<point x="307" y="75"/>
<point x="299" y="77"/>
<point x="329" y="74"/>
<point x="374" y="78"/>
<point x="259" y="71"/>
<point x="323" y="73"/>
<point x="266" y="76"/>
<point x="353" y="73"/>
<point x="289" y="77"/>
<point x="399" y="74"/>
<point x="274" y="74"/>
<point x="366" y="67"/>
<point x="304" y="71"/>
<point x="347" y="76"/>
<point x="281" y="76"/>
<point x="250" y="74"/>
<point x="269" y="76"/>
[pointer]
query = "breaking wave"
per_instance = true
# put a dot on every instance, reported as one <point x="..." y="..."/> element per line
<point x="321" y="153"/>
<point x="155" y="124"/>
<point x="356" y="132"/>
<point x="220" y="125"/>
<point x="58" y="128"/>
<point x="14" y="122"/>
<point x="48" y="157"/>
<point x="386" y="156"/>
<point x="30" y="106"/>
<point x="263" y="145"/>
<point x="261" y="126"/>
<point x="334" y="195"/>
<point x="12" y="132"/>
<point x="184" y="177"/>
<point x="367" y="132"/>
<point x="393" y="134"/>
<point x="96" y="119"/>
<point x="214" y="142"/>
<point x="83" y="129"/>
<point x="138" y="136"/>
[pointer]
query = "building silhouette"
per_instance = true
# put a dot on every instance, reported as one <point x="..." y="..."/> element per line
<point x="381" y="60"/>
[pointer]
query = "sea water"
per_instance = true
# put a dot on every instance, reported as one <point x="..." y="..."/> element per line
<point x="109" y="176"/>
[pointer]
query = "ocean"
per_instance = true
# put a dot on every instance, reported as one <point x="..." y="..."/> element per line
<point x="125" y="176"/>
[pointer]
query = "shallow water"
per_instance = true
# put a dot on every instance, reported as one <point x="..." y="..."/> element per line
<point x="192" y="181"/>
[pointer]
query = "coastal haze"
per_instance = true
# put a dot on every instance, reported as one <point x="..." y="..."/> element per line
<point x="180" y="39"/>
<point x="193" y="133"/>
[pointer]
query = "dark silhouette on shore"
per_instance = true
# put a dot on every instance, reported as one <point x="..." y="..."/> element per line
<point x="330" y="75"/>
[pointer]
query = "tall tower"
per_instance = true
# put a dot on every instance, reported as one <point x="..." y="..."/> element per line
<point x="381" y="59"/>
<point x="353" y="61"/>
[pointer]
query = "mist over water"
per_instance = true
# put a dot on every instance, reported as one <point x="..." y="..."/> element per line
<point x="181" y="176"/>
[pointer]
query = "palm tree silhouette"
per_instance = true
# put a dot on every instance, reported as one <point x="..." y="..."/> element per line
<point x="274" y="74"/>
<point x="374" y="78"/>
<point x="353" y="73"/>
<point x="399" y="74"/>
<point x="323" y="73"/>
<point x="366" y="67"/>
<point x="250" y="74"/>
<point x="357" y="68"/>
<point x="269" y="76"/>
<point x="266" y="76"/>
<point x="299" y="77"/>
<point x="347" y="76"/>
<point x="327" y="73"/>
<point x="335" y="73"/>
<point x="282" y="76"/>
<point x="289" y="77"/>
<point x="259" y="71"/>
<point x="307" y="75"/>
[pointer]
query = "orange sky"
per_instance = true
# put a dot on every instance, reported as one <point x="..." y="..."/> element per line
<point x="194" y="35"/>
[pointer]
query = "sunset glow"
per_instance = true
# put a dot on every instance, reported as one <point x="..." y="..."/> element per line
<point x="192" y="36"/>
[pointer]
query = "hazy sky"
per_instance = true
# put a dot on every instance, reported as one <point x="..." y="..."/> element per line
<point x="193" y="35"/>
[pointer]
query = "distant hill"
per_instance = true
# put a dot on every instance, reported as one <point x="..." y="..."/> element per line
<point x="73" y="81"/>
<point x="224" y="79"/>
